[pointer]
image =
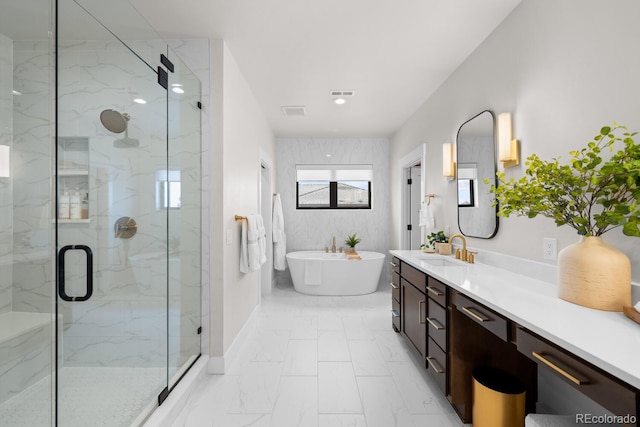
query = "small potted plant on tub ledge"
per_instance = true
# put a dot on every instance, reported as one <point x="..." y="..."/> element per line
<point x="351" y="241"/>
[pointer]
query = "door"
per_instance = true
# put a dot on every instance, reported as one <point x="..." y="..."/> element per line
<point x="414" y="206"/>
<point x="414" y="316"/>
<point x="112" y="226"/>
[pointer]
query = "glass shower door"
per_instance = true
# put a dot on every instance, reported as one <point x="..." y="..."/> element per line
<point x="112" y="236"/>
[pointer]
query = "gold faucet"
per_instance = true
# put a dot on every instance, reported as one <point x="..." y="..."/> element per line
<point x="333" y="247"/>
<point x="463" y="254"/>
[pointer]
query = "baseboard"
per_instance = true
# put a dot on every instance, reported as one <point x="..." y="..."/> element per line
<point x="218" y="365"/>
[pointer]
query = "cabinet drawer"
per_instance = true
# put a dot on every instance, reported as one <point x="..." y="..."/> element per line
<point x="414" y="276"/>
<point x="437" y="291"/>
<point x="395" y="285"/>
<point x="437" y="324"/>
<point x="482" y="315"/>
<point x="395" y="315"/>
<point x="609" y="392"/>
<point x="395" y="265"/>
<point x="437" y="365"/>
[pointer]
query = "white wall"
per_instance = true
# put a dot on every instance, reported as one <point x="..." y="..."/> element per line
<point x="563" y="69"/>
<point x="245" y="131"/>
<point x="314" y="229"/>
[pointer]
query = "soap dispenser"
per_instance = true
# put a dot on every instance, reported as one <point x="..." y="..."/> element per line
<point x="63" y="205"/>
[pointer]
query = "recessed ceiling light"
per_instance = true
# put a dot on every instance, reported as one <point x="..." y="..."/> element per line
<point x="177" y="89"/>
<point x="327" y="155"/>
<point x="15" y="92"/>
<point x="139" y="101"/>
<point x="339" y="101"/>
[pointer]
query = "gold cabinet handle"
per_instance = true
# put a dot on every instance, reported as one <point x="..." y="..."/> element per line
<point x="420" y="305"/>
<point x="435" y="323"/>
<point x="394" y="286"/>
<point x="393" y="264"/>
<point x="434" y="364"/>
<point x="480" y="317"/>
<point x="545" y="359"/>
<point x="435" y="291"/>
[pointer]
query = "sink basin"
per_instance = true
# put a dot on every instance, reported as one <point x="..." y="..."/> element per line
<point x="435" y="262"/>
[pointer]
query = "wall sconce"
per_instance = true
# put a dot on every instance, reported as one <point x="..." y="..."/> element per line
<point x="5" y="163"/>
<point x="448" y="164"/>
<point x="508" y="148"/>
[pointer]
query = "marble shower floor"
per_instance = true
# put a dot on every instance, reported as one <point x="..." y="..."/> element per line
<point x="320" y="362"/>
<point x="98" y="397"/>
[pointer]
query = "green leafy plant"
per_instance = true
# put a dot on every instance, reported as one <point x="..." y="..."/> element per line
<point x="352" y="240"/>
<point x="434" y="238"/>
<point x="590" y="194"/>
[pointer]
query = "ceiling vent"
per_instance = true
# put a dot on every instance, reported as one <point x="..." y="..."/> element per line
<point x="291" y="111"/>
<point x="342" y="93"/>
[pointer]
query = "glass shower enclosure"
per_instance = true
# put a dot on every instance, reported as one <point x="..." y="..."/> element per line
<point x="99" y="215"/>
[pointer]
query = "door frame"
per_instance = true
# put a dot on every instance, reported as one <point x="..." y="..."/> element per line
<point x="415" y="156"/>
<point x="266" y="277"/>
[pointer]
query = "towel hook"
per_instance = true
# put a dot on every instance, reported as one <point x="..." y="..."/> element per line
<point x="429" y="197"/>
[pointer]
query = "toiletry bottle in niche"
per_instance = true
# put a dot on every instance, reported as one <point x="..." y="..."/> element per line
<point x="84" y="206"/>
<point x="63" y="205"/>
<point x="74" y="205"/>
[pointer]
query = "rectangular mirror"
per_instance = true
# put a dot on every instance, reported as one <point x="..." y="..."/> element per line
<point x="476" y="160"/>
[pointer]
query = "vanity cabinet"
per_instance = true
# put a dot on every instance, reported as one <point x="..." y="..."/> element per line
<point x="413" y="316"/>
<point x="395" y="294"/>
<point x="613" y="394"/>
<point x="437" y="333"/>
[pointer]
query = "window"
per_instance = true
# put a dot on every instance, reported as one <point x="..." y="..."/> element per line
<point x="334" y="186"/>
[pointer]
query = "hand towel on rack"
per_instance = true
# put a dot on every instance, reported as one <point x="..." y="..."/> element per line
<point x="279" y="237"/>
<point x="244" y="248"/>
<point x="255" y="242"/>
<point x="426" y="216"/>
<point x="313" y="272"/>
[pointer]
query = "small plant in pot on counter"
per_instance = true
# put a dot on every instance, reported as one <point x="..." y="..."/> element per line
<point x="352" y="241"/>
<point x="434" y="240"/>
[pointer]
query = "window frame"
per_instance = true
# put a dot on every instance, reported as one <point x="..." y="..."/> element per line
<point x="333" y="199"/>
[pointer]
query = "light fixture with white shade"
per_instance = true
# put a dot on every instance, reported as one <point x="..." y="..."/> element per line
<point x="5" y="161"/>
<point x="448" y="164"/>
<point x="508" y="148"/>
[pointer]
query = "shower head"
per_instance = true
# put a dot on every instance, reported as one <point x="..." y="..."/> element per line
<point x="114" y="121"/>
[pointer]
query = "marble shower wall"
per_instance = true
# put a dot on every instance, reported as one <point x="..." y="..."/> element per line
<point x="124" y="323"/>
<point x="313" y="229"/>
<point x="6" y="210"/>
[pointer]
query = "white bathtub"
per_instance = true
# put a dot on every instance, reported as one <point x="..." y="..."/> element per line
<point x="320" y="273"/>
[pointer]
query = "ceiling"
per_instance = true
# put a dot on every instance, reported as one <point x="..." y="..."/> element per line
<point x="393" y="54"/>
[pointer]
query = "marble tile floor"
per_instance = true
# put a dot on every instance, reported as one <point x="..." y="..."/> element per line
<point x="320" y="362"/>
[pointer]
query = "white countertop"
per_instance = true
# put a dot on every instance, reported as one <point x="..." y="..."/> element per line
<point x="609" y="340"/>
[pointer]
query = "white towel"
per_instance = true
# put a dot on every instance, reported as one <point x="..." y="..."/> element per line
<point x="279" y="237"/>
<point x="252" y="244"/>
<point x="426" y="216"/>
<point x="313" y="272"/>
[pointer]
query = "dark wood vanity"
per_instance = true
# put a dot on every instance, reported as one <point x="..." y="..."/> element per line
<point x="454" y="334"/>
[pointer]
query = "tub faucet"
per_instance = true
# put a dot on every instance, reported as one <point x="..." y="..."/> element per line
<point x="333" y="247"/>
<point x="464" y="255"/>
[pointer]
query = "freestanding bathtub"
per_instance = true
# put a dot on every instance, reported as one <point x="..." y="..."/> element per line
<point x="320" y="273"/>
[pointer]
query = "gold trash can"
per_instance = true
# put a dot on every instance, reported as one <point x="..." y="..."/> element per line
<point x="498" y="399"/>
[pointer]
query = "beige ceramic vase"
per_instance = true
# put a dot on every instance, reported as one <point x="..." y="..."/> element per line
<point x="595" y="275"/>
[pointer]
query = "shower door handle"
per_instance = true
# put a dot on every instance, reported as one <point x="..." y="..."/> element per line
<point x="61" y="272"/>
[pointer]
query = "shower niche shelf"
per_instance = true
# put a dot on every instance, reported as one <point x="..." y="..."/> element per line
<point x="73" y="175"/>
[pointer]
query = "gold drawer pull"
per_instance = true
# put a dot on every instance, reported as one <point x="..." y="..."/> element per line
<point x="420" y="305"/>
<point x="480" y="317"/>
<point x="435" y="291"/>
<point x="393" y="264"/>
<point x="393" y="285"/>
<point x="435" y="323"/>
<point x="545" y="359"/>
<point x="434" y="365"/>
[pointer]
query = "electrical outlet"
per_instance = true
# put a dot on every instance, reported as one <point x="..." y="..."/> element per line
<point x="550" y="248"/>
